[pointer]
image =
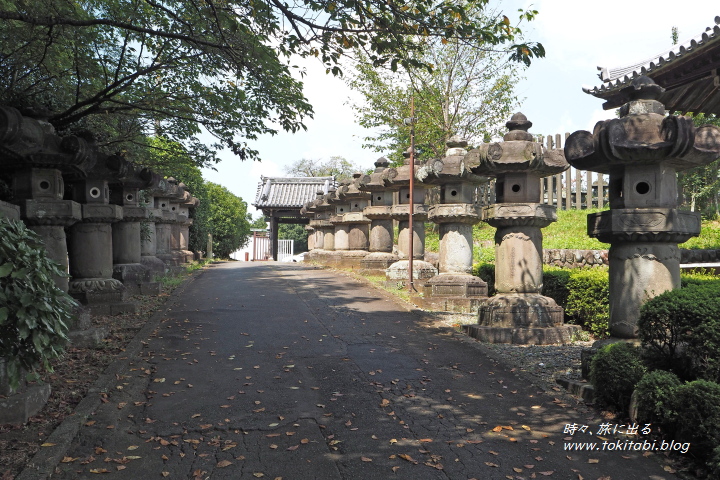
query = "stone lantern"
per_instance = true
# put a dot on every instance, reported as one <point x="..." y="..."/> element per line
<point x="379" y="211"/>
<point x="167" y="202"/>
<point x="90" y="241"/>
<point x="352" y="223"/>
<point x="455" y="288"/>
<point x="340" y="206"/>
<point x="148" y="248"/>
<point x="181" y="230"/>
<point x="37" y="159"/>
<point x="518" y="313"/>
<point x="642" y="151"/>
<point x="398" y="181"/>
<point x="126" y="236"/>
<point x="323" y="211"/>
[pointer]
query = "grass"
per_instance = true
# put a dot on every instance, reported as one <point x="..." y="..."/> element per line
<point x="570" y="231"/>
<point x="171" y="281"/>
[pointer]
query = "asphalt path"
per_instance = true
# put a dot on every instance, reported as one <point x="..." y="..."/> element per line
<point x="286" y="371"/>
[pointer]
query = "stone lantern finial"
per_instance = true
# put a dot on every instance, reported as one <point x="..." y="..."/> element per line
<point x="381" y="164"/>
<point x="456" y="145"/>
<point x="518" y="127"/>
<point x="643" y="94"/>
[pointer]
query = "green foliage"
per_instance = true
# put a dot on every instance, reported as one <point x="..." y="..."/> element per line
<point x="555" y="284"/>
<point x="171" y="159"/>
<point x="709" y="237"/>
<point x="289" y="231"/>
<point x="486" y="271"/>
<point x="588" y="299"/>
<point x="570" y="231"/>
<point x="680" y="330"/>
<point x="697" y="419"/>
<point x="655" y="394"/>
<point x="700" y="186"/>
<point x="34" y="312"/>
<point x="470" y="92"/>
<point x="336" y="166"/>
<point x="228" y="220"/>
<point x="615" y="370"/>
<point x="122" y="69"/>
<point x="259" y="223"/>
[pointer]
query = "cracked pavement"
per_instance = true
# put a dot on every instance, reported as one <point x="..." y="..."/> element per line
<point x="287" y="371"/>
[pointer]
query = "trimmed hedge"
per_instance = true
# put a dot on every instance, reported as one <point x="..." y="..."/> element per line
<point x="615" y="370"/>
<point x="655" y="394"/>
<point x="588" y="301"/>
<point x="697" y="419"/>
<point x="680" y="330"/>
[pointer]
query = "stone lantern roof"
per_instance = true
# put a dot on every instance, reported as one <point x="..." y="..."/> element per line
<point x="396" y="178"/>
<point x="374" y="181"/>
<point x="451" y="168"/>
<point x="643" y="135"/>
<point x="518" y="152"/>
<point x="27" y="142"/>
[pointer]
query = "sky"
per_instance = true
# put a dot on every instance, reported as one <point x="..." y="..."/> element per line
<point x="578" y="36"/>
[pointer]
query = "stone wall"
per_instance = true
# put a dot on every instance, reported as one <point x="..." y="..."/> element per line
<point x="574" y="258"/>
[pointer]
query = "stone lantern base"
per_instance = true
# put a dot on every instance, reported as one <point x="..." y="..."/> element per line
<point x="137" y="278"/>
<point x="397" y="273"/>
<point x="17" y="406"/>
<point x="350" y="258"/>
<point x="377" y="262"/>
<point x="102" y="296"/>
<point x="454" y="292"/>
<point x="527" y="319"/>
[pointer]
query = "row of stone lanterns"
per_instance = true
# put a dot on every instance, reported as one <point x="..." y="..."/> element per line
<point x="642" y="151"/>
<point x="86" y="206"/>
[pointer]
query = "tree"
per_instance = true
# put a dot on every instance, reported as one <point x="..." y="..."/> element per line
<point x="470" y="92"/>
<point x="336" y="166"/>
<point x="259" y="223"/>
<point x="228" y="219"/>
<point x="296" y="232"/>
<point x="700" y="186"/>
<point x="124" y="69"/>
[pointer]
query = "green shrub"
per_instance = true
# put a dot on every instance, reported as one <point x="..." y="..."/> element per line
<point x="555" y="284"/>
<point x="588" y="300"/>
<point x="486" y="271"/>
<point x="697" y="418"/>
<point x="655" y="394"/>
<point x="34" y="313"/>
<point x="615" y="370"/>
<point x="680" y="330"/>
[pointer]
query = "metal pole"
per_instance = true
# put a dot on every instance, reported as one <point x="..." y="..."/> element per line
<point x="411" y="286"/>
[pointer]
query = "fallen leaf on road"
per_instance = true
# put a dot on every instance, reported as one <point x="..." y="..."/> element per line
<point x="385" y="402"/>
<point x="366" y="459"/>
<point x="293" y="448"/>
<point x="407" y="457"/>
<point x="490" y="464"/>
<point x="224" y="463"/>
<point x="47" y="444"/>
<point x="99" y="470"/>
<point x="548" y="473"/>
<point x="68" y="459"/>
<point x="593" y="460"/>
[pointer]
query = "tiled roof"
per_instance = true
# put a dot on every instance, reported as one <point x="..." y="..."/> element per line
<point x="289" y="192"/>
<point x="688" y="72"/>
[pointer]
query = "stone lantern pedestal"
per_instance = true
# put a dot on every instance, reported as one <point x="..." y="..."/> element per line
<point x="642" y="151"/>
<point x="352" y="227"/>
<point x="519" y="313"/>
<point x="454" y="288"/>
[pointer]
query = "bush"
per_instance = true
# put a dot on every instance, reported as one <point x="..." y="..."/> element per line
<point x="615" y="370"/>
<point x="680" y="330"/>
<point x="555" y="284"/>
<point x="486" y="271"/>
<point x="35" y="313"/>
<point x="655" y="394"/>
<point x="588" y="300"/>
<point x="697" y="419"/>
